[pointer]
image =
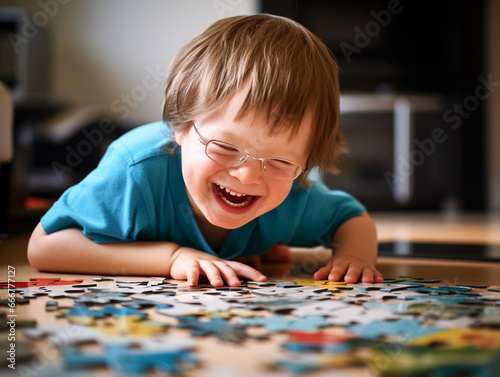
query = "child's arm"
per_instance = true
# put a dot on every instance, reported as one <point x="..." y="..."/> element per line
<point x="355" y="253"/>
<point x="70" y="251"/>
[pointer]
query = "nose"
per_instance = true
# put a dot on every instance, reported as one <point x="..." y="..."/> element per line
<point x="250" y="172"/>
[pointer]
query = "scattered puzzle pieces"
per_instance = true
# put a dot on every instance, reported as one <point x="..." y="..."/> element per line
<point x="219" y="327"/>
<point x="38" y="282"/>
<point x="330" y="325"/>
<point x="130" y="361"/>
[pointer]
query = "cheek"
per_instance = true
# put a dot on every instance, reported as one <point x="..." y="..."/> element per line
<point x="197" y="169"/>
<point x="279" y="190"/>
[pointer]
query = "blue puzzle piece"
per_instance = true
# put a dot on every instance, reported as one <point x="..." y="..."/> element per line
<point x="108" y="310"/>
<point x="127" y="361"/>
<point x="409" y="328"/>
<point x="219" y="327"/>
<point x="455" y="289"/>
<point x="298" y="367"/>
<point x="432" y="291"/>
<point x="280" y="323"/>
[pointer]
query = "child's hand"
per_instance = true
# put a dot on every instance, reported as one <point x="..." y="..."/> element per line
<point x="188" y="264"/>
<point x="350" y="268"/>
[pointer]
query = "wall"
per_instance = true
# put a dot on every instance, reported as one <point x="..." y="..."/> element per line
<point x="115" y="53"/>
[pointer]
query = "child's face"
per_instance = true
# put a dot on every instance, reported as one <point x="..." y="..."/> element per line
<point x="208" y="182"/>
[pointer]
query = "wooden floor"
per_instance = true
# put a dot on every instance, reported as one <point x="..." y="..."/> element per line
<point x="413" y="227"/>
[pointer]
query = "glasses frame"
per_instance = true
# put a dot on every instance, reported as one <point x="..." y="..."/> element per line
<point x="247" y="155"/>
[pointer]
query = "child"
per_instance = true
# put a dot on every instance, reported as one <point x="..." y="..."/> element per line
<point x="251" y="105"/>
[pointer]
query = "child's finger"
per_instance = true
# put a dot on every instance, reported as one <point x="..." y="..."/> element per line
<point x="371" y="275"/>
<point x="212" y="273"/>
<point x="367" y="276"/>
<point x="338" y="271"/>
<point x="192" y="272"/>
<point x="379" y="278"/>
<point x="353" y="273"/>
<point x="228" y="274"/>
<point x="323" y="272"/>
<point x="247" y="271"/>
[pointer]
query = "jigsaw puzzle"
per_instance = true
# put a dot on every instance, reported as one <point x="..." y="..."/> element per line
<point x="438" y="329"/>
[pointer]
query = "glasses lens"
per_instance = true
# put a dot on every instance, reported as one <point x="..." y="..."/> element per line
<point x="224" y="153"/>
<point x="281" y="169"/>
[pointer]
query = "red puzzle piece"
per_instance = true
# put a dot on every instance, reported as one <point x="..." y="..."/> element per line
<point x="319" y="338"/>
<point x="38" y="282"/>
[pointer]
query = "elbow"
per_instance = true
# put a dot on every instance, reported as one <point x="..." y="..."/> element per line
<point x="36" y="254"/>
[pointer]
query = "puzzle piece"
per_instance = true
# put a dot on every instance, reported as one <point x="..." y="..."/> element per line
<point x="128" y="289"/>
<point x="280" y="323"/>
<point x="302" y="363"/>
<point x="181" y="309"/>
<point x="127" y="361"/>
<point x="219" y="327"/>
<point x="63" y="291"/>
<point x="384" y="287"/>
<point x="53" y="292"/>
<point x="324" y="308"/>
<point x="357" y="315"/>
<point x="311" y="292"/>
<point x="300" y="341"/>
<point x="224" y="293"/>
<point x="331" y="285"/>
<point x="38" y="282"/>
<point x="273" y="303"/>
<point x="480" y="286"/>
<point x="319" y="338"/>
<point x="461" y="338"/>
<point x="374" y="295"/>
<point x="102" y="298"/>
<point x="457" y="322"/>
<point x="403" y="328"/>
<point x="84" y="315"/>
<point x="130" y="326"/>
<point x="416" y="361"/>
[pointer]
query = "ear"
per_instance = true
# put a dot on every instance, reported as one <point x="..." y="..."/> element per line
<point x="179" y="136"/>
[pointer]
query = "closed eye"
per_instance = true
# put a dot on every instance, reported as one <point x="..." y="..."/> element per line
<point x="222" y="147"/>
<point x="281" y="164"/>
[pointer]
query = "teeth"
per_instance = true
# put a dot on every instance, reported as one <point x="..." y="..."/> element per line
<point x="243" y="204"/>
<point x="231" y="192"/>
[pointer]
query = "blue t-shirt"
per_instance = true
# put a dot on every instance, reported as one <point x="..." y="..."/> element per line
<point x="137" y="193"/>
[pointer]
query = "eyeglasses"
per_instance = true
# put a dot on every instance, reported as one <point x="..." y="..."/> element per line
<point x="230" y="155"/>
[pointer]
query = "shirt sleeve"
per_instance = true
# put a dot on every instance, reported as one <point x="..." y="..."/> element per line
<point x="107" y="206"/>
<point x="318" y="214"/>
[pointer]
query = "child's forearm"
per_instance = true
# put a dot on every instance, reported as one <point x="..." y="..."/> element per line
<point x="354" y="253"/>
<point x="72" y="252"/>
<point x="357" y="236"/>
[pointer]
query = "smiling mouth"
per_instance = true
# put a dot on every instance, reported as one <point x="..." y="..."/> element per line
<point x="234" y="199"/>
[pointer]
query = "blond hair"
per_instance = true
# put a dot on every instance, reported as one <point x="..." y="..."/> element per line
<point x="288" y="71"/>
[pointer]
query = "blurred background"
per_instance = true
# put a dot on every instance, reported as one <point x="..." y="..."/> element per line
<point x="420" y="85"/>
